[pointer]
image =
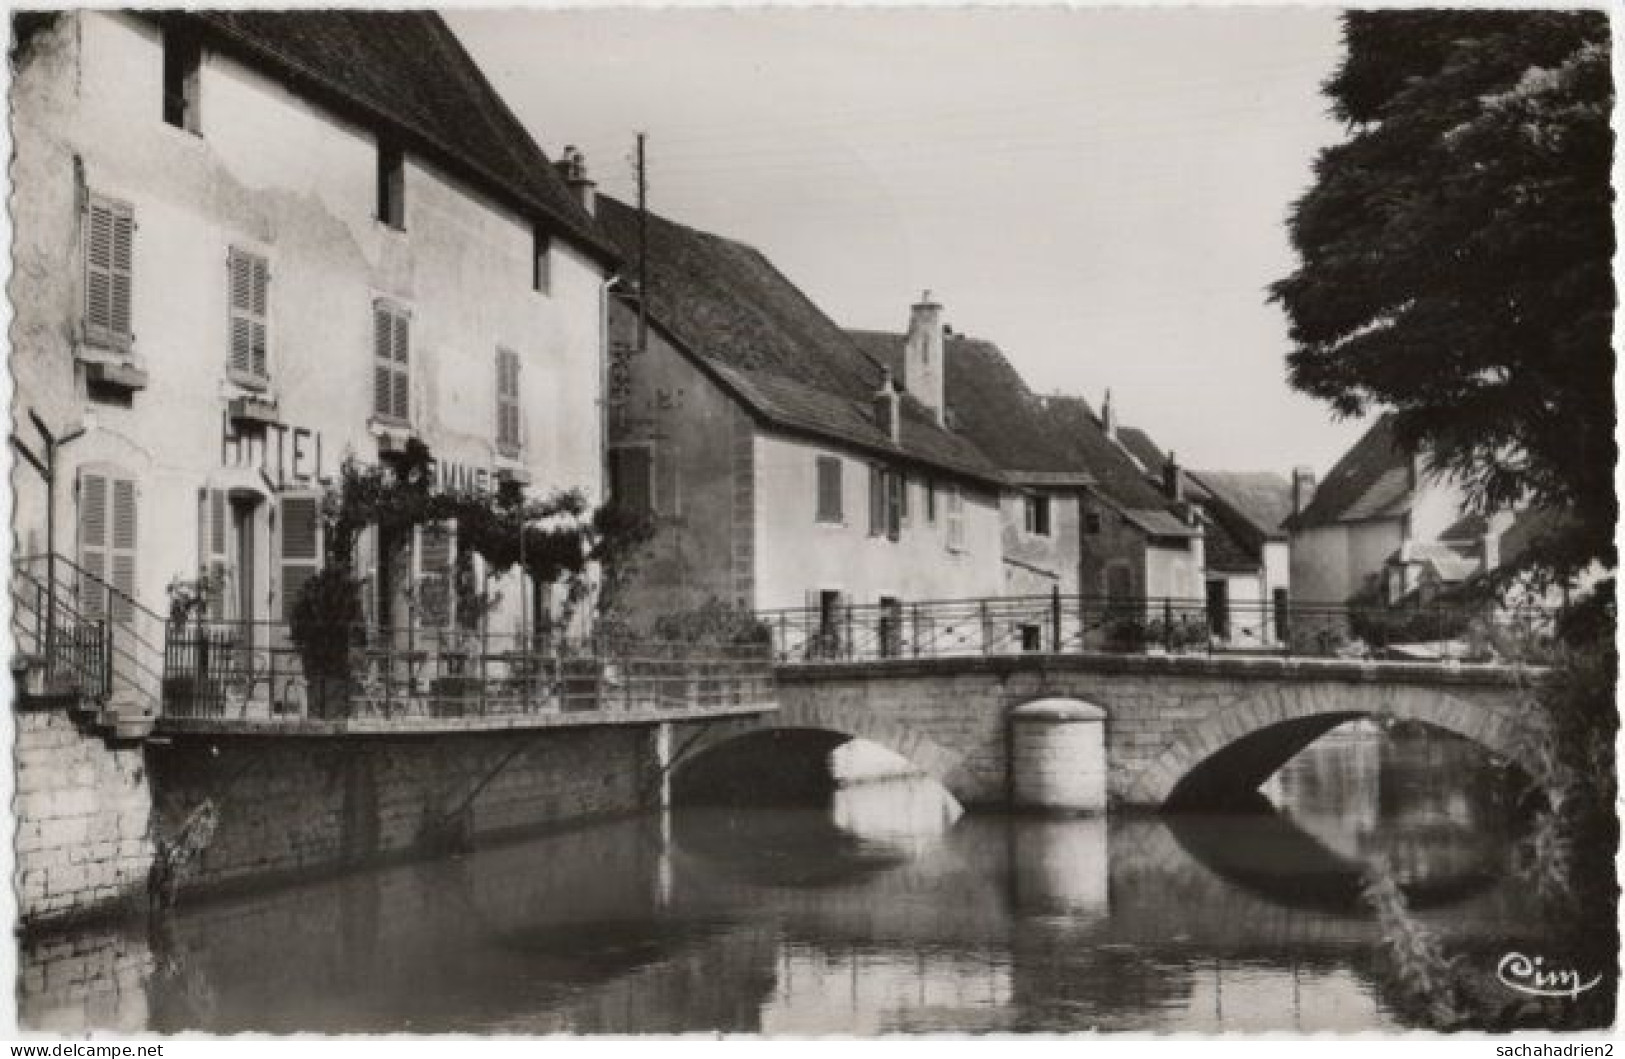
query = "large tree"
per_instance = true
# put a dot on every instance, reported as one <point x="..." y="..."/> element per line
<point x="1456" y="256"/>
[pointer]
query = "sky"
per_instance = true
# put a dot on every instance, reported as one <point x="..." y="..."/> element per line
<point x="1101" y="192"/>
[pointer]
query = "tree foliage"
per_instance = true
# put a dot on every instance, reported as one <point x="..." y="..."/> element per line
<point x="1455" y="257"/>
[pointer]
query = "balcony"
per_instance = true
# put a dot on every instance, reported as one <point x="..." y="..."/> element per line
<point x="250" y="677"/>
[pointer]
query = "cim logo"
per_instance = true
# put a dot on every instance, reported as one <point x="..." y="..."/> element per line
<point x="1529" y="975"/>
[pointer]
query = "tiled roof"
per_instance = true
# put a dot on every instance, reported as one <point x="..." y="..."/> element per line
<point x="1118" y="478"/>
<point x="1470" y="527"/>
<point x="406" y="73"/>
<point x="1159" y="522"/>
<point x="1142" y="448"/>
<point x="989" y="403"/>
<point x="731" y="310"/>
<point x="1372" y="480"/>
<point x="1448" y="564"/>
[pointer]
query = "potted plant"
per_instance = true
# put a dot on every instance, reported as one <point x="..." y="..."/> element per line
<point x="326" y="627"/>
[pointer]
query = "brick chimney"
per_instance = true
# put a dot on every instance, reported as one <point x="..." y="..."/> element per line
<point x="922" y="356"/>
<point x="1303" y="488"/>
<point x="1108" y="417"/>
<point x="572" y="166"/>
<point x="887" y="411"/>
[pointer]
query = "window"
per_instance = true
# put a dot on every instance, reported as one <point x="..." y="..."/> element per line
<point x="956" y="519"/>
<point x="902" y="503"/>
<point x="930" y="502"/>
<point x="391" y="368"/>
<point x="631" y="478"/>
<point x="1091" y="522"/>
<point x="391" y="185"/>
<point x="107" y="539"/>
<point x="541" y="257"/>
<point x="109" y="235"/>
<point x="507" y="402"/>
<point x="182" y="59"/>
<point x="300" y="551"/>
<point x="829" y="490"/>
<point x="1037" y="515"/>
<point x="885" y="503"/>
<point x="249" y="280"/>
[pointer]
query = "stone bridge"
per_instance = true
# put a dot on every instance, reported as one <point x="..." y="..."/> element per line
<point x="1178" y="729"/>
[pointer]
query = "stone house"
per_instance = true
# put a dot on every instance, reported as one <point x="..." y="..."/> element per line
<point x="783" y="467"/>
<point x="250" y="245"/>
<point x="1383" y="528"/>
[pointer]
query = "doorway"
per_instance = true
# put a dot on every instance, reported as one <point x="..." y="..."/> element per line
<point x="1218" y="609"/>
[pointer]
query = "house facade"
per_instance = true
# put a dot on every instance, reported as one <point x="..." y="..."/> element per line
<point x="252" y="245"/>
<point x="1382" y="528"/>
<point x="782" y="467"/>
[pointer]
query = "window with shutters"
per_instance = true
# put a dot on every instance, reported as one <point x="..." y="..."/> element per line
<point x="391" y="185"/>
<point x="107" y="543"/>
<point x="301" y="547"/>
<point x="109" y="241"/>
<point x="894" y="504"/>
<point x="956" y="519"/>
<point x="249" y="283"/>
<point x="507" y="402"/>
<point x="631" y="478"/>
<point x="214" y="550"/>
<point x="829" y="490"/>
<point x="183" y="57"/>
<point x="1037" y="515"/>
<point x="391" y="368"/>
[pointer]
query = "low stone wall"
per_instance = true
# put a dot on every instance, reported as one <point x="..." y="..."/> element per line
<point x="290" y="807"/>
<point x="82" y="809"/>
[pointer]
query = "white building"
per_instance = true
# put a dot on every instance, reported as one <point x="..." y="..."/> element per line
<point x="249" y="245"/>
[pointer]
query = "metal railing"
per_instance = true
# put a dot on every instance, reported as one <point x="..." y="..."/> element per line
<point x="135" y="632"/>
<point x="255" y="671"/>
<point x="1155" y="625"/>
<point x="73" y="653"/>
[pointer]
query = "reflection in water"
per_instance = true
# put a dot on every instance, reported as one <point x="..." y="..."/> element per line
<point x="888" y="914"/>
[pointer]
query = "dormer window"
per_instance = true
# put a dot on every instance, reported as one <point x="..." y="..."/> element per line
<point x="183" y="57"/>
<point x="391" y="185"/>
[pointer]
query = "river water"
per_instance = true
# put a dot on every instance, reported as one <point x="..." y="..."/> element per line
<point x="890" y="912"/>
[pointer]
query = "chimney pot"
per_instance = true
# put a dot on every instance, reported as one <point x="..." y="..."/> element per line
<point x="1108" y="417"/>
<point x="1173" y="480"/>
<point x="1303" y="488"/>
<point x="572" y="166"/>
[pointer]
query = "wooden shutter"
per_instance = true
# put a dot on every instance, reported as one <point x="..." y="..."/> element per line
<point x="894" y="504"/>
<point x="109" y="238"/>
<point x="391" y="389"/>
<point x="956" y="518"/>
<point x="877" y="501"/>
<point x="300" y="542"/>
<point x="435" y="555"/>
<point x="829" y="489"/>
<point x="632" y="471"/>
<point x="250" y="282"/>
<point x="507" y="401"/>
<point x="94" y="541"/>
<point x="214" y="526"/>
<point x="122" y="550"/>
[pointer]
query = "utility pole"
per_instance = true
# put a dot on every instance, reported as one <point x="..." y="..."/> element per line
<point x="643" y="248"/>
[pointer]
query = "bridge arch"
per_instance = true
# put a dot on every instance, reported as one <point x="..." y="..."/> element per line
<point x="837" y="724"/>
<point x="1234" y="749"/>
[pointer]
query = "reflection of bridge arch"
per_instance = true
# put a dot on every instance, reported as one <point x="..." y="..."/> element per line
<point x="1232" y="750"/>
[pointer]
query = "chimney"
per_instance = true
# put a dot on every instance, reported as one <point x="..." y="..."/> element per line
<point x="922" y="356"/>
<point x="572" y="166"/>
<point x="1108" y="417"/>
<point x="1303" y="488"/>
<point x="887" y="415"/>
<point x="1173" y="480"/>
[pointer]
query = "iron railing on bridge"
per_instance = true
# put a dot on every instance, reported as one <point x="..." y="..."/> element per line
<point x="255" y="671"/>
<point x="1156" y="625"/>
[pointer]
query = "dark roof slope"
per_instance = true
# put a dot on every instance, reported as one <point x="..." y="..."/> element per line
<point x="407" y="72"/>
<point x="1263" y="498"/>
<point x="1142" y="448"/>
<point x="761" y="337"/>
<point x="1116" y="476"/>
<point x="1372" y="480"/>
<point x="988" y="401"/>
